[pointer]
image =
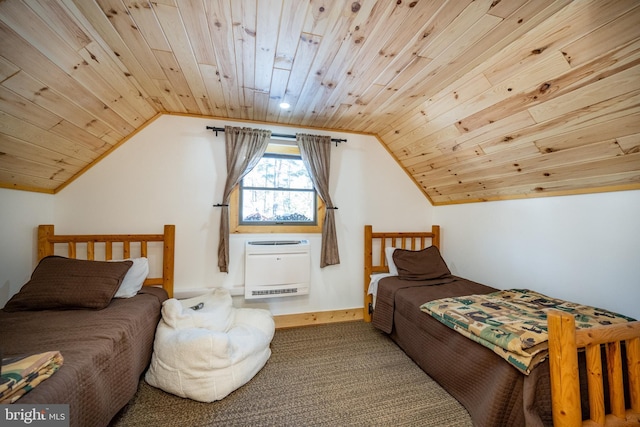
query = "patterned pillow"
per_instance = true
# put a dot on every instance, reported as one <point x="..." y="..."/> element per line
<point x="65" y="283"/>
<point x="420" y="265"/>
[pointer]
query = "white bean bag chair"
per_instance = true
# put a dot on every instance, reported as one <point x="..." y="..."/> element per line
<point x="205" y="348"/>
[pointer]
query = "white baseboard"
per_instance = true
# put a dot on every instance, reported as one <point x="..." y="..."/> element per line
<point x="237" y="291"/>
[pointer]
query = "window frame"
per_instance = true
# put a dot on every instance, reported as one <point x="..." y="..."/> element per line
<point x="234" y="205"/>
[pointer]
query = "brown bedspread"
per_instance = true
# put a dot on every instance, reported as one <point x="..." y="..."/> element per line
<point x="386" y="299"/>
<point x="493" y="392"/>
<point x="104" y="351"/>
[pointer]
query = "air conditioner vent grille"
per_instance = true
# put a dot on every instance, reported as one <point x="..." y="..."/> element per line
<point x="275" y="292"/>
<point x="275" y="242"/>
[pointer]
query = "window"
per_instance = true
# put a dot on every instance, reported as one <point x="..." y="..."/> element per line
<point x="277" y="191"/>
<point x="277" y="196"/>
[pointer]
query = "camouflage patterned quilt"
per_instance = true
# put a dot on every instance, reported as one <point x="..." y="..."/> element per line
<point x="513" y="323"/>
<point x="19" y="375"/>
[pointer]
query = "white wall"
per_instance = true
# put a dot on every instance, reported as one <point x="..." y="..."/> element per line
<point x="20" y="214"/>
<point x="173" y="171"/>
<point x="582" y="248"/>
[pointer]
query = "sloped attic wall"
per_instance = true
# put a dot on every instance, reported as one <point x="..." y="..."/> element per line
<point x="174" y="171"/>
<point x="585" y="249"/>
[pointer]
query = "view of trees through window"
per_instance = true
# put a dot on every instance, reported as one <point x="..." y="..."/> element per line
<point x="278" y="191"/>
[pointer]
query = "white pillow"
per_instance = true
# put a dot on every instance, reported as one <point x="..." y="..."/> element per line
<point x="388" y="252"/>
<point x="134" y="278"/>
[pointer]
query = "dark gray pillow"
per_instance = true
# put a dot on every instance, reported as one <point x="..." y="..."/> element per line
<point x="425" y="264"/>
<point x="60" y="283"/>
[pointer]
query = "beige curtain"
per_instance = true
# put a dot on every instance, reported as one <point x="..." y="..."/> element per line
<point x="315" y="151"/>
<point x="244" y="149"/>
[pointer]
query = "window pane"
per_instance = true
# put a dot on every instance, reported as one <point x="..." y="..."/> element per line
<point x="279" y="172"/>
<point x="277" y="206"/>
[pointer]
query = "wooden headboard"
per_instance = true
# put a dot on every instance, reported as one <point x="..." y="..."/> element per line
<point x="47" y="239"/>
<point x="378" y="241"/>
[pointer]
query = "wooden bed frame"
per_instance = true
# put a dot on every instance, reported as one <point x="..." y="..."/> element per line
<point x="111" y="347"/>
<point x="377" y="264"/>
<point x="564" y="342"/>
<point x="47" y="239"/>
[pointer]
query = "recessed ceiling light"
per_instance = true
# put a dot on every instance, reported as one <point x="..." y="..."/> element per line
<point x="284" y="105"/>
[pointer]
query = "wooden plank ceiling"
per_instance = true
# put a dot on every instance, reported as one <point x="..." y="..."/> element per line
<point x="477" y="100"/>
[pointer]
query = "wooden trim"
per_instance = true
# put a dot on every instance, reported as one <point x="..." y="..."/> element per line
<point x="317" y="318"/>
<point x="411" y="240"/>
<point x="558" y="193"/>
<point x="26" y="188"/>
<point x="269" y="124"/>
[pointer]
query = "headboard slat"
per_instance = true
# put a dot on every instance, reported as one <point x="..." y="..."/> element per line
<point x="616" y="386"/>
<point x="72" y="250"/>
<point x="594" y="383"/>
<point x="91" y="252"/>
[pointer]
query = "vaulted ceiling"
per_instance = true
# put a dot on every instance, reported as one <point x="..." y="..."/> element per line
<point x="476" y="99"/>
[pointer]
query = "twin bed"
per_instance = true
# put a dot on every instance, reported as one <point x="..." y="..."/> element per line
<point x="105" y="343"/>
<point x="494" y="392"/>
<point x="105" y="351"/>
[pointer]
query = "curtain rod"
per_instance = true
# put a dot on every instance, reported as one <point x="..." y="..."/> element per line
<point x="277" y="135"/>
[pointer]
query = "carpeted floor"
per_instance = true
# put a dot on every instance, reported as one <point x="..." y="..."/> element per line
<point x="341" y="374"/>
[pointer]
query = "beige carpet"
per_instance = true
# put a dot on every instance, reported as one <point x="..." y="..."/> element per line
<point x="342" y="374"/>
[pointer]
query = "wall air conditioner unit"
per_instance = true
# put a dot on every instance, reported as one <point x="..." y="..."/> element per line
<point x="276" y="268"/>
